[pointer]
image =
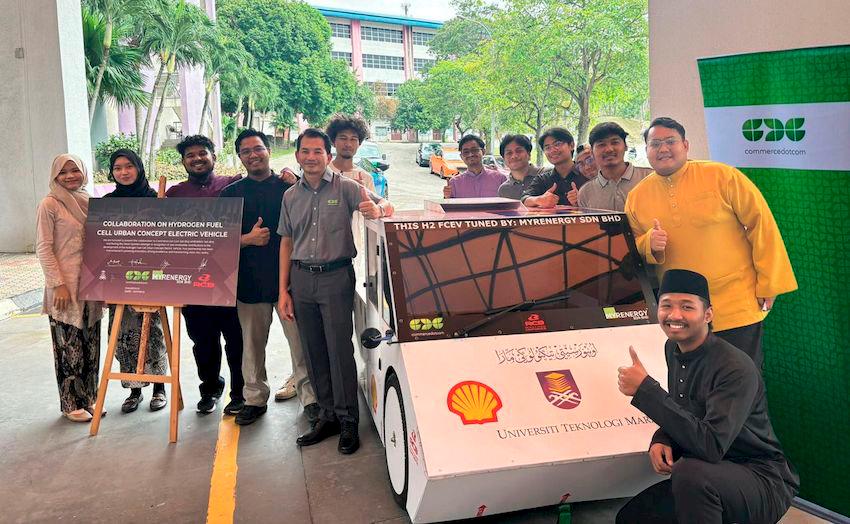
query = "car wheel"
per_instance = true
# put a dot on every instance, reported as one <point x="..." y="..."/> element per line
<point x="442" y="173"/>
<point x="395" y="440"/>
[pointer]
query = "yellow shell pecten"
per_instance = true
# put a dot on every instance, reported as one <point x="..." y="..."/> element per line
<point x="474" y="402"/>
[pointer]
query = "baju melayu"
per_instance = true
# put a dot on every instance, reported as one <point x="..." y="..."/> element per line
<point x="719" y="225"/>
<point x="728" y="464"/>
<point x="206" y="325"/>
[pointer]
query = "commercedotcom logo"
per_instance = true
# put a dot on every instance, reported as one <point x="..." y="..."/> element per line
<point x="773" y="130"/>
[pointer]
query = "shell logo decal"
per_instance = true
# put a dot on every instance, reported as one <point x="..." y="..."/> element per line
<point x="474" y="402"/>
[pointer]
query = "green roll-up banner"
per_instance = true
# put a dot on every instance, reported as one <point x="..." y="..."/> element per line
<point x="783" y="118"/>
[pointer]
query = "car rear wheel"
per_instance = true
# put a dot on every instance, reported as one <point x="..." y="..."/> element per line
<point x="395" y="440"/>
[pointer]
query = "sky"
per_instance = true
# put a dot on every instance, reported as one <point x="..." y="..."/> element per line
<point x="439" y="10"/>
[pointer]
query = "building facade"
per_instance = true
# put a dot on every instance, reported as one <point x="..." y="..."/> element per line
<point x="383" y="51"/>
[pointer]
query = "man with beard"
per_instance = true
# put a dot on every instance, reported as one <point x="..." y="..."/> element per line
<point x="207" y="324"/>
<point x="616" y="177"/>
<point x="715" y="439"/>
<point x="516" y="150"/>
<point x="550" y="188"/>
<point x="257" y="290"/>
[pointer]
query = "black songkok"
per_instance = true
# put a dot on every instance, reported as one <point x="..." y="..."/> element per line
<point x="684" y="281"/>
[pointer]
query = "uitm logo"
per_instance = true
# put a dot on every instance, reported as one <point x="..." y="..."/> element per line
<point x="776" y="130"/>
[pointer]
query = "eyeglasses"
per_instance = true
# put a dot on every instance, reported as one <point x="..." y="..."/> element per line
<point x="247" y="152"/>
<point x="552" y="145"/>
<point x="468" y="152"/>
<point x="589" y="161"/>
<point x="669" y="142"/>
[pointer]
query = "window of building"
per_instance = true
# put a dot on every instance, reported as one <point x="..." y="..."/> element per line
<point x="420" y="65"/>
<point x="383" y="88"/>
<point x="422" y="38"/>
<point x="342" y="55"/>
<point x="383" y="62"/>
<point x="340" y="30"/>
<point x="379" y="34"/>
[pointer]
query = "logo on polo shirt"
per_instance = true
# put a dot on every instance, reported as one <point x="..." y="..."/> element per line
<point x="559" y="388"/>
<point x="333" y="201"/>
<point x="776" y="130"/>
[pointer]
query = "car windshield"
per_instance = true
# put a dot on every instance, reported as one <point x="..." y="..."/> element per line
<point x="368" y="151"/>
<point x="451" y="155"/>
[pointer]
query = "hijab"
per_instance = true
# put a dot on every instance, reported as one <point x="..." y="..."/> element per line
<point x="139" y="188"/>
<point x="76" y="202"/>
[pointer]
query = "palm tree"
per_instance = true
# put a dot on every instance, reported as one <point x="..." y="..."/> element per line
<point x="225" y="57"/>
<point x="111" y="72"/>
<point x="175" y="31"/>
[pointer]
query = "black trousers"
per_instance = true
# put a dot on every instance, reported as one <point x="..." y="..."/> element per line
<point x="747" y="339"/>
<point x="205" y="326"/>
<point x="324" y="303"/>
<point x="700" y="492"/>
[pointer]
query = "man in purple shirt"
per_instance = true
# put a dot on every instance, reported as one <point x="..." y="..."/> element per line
<point x="206" y="324"/>
<point x="477" y="181"/>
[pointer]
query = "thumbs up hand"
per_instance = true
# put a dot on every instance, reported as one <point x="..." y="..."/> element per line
<point x="572" y="195"/>
<point x="258" y="236"/>
<point x="367" y="207"/>
<point x="657" y="239"/>
<point x="631" y="377"/>
<point x="447" y="190"/>
<point x="549" y="198"/>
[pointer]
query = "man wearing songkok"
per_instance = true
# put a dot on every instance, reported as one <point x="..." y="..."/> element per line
<point x="714" y="439"/>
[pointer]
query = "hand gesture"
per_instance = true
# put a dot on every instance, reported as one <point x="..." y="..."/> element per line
<point x="288" y="176"/>
<point x="657" y="238"/>
<point x="62" y="297"/>
<point x="447" y="189"/>
<point x="368" y="208"/>
<point x="549" y="198"/>
<point x="661" y="457"/>
<point x="285" y="306"/>
<point x="572" y="195"/>
<point x="630" y="377"/>
<point x="766" y="303"/>
<point x="259" y="235"/>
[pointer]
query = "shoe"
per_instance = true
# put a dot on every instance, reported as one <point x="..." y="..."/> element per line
<point x="78" y="415"/>
<point x="349" y="439"/>
<point x="132" y="403"/>
<point x="158" y="401"/>
<point x="319" y="431"/>
<point x="311" y="411"/>
<point x="234" y="406"/>
<point x="250" y="414"/>
<point x="287" y="391"/>
<point x="207" y="404"/>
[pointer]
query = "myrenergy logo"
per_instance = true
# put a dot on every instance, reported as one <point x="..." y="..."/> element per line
<point x="612" y="314"/>
<point x="426" y="324"/>
<point x="162" y="275"/>
<point x="793" y="129"/>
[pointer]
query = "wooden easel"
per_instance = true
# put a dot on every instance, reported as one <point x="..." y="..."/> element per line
<point x="171" y="345"/>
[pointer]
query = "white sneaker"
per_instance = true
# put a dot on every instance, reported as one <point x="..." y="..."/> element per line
<point x="287" y="391"/>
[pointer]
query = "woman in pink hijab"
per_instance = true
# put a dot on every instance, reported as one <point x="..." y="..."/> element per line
<point x="74" y="324"/>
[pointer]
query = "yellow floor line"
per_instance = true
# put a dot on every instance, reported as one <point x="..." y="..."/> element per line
<point x="25" y="315"/>
<point x="222" y="502"/>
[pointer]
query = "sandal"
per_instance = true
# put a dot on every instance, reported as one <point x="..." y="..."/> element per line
<point x="90" y="409"/>
<point x="78" y="415"/>
<point x="132" y="403"/>
<point x="158" y="401"/>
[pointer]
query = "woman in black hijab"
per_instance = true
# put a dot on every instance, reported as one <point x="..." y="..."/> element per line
<point x="128" y="173"/>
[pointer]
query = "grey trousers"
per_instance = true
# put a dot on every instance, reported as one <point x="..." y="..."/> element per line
<point x="324" y="303"/>
<point x="256" y="320"/>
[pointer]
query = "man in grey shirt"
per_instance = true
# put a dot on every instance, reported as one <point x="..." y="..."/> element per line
<point x="316" y="249"/>
<point x="516" y="150"/>
<point x="616" y="177"/>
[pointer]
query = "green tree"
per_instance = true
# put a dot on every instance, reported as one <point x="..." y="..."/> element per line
<point x="225" y="56"/>
<point x="450" y="97"/>
<point x="111" y="72"/>
<point x="176" y="32"/>
<point x="410" y="113"/>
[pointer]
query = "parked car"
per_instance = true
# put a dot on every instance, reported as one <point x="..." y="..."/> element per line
<point x="376" y="169"/>
<point x="495" y="162"/>
<point x="447" y="164"/>
<point x="423" y="154"/>
<point x="371" y="151"/>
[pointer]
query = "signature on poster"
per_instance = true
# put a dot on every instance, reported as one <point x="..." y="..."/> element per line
<point x="202" y="265"/>
<point x="165" y="263"/>
<point x="113" y="263"/>
<point x="548" y="352"/>
<point x="137" y="262"/>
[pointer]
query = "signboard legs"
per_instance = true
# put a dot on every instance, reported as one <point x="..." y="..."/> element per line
<point x="172" y="345"/>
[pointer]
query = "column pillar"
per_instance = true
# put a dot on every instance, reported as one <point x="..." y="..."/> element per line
<point x="356" y="50"/>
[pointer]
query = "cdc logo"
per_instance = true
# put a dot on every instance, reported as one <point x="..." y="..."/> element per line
<point x="793" y="129"/>
<point x="426" y="324"/>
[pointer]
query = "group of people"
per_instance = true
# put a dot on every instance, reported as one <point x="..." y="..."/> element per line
<point x="703" y="226"/>
<point x="296" y="259"/>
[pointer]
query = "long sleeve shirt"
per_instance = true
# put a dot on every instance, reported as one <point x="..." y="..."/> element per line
<point x="716" y="410"/>
<point x="718" y="224"/>
<point x="484" y="184"/>
<point x="59" y="246"/>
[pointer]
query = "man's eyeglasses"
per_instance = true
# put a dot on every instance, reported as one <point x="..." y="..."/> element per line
<point x="587" y="161"/>
<point x="248" y="151"/>
<point x="552" y="145"/>
<point x="669" y="142"/>
<point x="468" y="152"/>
